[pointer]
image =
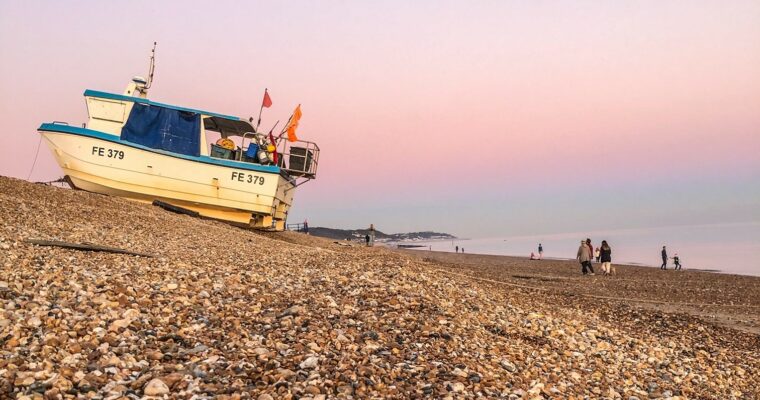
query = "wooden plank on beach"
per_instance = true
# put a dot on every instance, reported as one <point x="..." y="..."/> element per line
<point x="175" y="209"/>
<point x="85" y="247"/>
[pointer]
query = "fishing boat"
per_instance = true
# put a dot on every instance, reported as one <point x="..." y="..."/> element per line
<point x="214" y="164"/>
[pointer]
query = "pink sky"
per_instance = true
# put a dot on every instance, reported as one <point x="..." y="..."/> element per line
<point x="432" y="114"/>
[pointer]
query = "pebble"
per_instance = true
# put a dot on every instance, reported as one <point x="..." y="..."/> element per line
<point x="155" y="387"/>
<point x="456" y="387"/>
<point x="508" y="366"/>
<point x="309" y="363"/>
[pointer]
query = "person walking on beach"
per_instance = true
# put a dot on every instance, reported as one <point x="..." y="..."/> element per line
<point x="597" y="254"/>
<point x="605" y="256"/>
<point x="366" y="239"/>
<point x="584" y="257"/>
<point x="371" y="235"/>
<point x="457" y="249"/>
<point x="664" y="259"/>
<point x="540" y="251"/>
<point x="676" y="261"/>
<point x="590" y="250"/>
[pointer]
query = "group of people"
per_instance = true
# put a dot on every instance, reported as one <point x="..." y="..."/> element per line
<point x="602" y="254"/>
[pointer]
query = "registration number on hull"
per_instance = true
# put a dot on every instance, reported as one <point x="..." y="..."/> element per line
<point x="108" y="153"/>
<point x="247" y="178"/>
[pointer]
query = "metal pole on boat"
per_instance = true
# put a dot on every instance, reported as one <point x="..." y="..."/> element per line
<point x="274" y="126"/>
<point x="285" y="128"/>
<point x="152" y="68"/>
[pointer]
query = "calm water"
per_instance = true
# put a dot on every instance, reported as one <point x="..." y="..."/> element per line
<point x="729" y="248"/>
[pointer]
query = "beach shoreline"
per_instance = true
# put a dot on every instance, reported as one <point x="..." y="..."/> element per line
<point x="725" y="247"/>
<point x="625" y="263"/>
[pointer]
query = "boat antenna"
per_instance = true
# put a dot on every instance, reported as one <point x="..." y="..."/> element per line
<point x="284" y="128"/>
<point x="152" y="66"/>
<point x="274" y="126"/>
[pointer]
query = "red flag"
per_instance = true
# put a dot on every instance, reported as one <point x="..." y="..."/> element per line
<point x="267" y="102"/>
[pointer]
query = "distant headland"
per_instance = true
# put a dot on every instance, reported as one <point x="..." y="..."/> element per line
<point x="358" y="234"/>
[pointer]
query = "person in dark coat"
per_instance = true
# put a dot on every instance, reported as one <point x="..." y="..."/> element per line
<point x="664" y="259"/>
<point x="605" y="257"/>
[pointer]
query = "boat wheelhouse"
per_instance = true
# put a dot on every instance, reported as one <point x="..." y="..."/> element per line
<point x="217" y="165"/>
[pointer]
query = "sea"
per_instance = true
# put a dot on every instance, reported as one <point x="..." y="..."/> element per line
<point x="732" y="248"/>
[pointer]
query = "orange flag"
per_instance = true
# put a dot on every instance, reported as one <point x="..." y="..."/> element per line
<point x="294" y="124"/>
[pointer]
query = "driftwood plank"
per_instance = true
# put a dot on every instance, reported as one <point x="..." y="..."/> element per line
<point x="85" y="246"/>
<point x="175" y="209"/>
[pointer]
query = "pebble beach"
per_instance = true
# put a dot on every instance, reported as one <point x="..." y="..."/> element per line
<point x="227" y="313"/>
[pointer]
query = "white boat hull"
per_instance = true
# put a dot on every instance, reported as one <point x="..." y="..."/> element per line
<point x="239" y="193"/>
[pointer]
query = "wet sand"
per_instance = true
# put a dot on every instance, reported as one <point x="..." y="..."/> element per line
<point x="724" y="299"/>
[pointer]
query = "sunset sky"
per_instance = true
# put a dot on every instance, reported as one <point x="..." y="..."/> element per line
<point x="477" y="118"/>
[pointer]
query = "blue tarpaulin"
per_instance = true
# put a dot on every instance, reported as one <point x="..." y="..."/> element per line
<point x="164" y="129"/>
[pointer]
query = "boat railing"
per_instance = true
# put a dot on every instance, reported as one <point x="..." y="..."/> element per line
<point x="299" y="227"/>
<point x="299" y="158"/>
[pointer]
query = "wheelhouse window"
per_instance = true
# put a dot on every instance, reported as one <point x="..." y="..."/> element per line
<point x="227" y="139"/>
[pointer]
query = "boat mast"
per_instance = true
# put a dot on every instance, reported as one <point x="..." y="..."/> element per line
<point x="152" y="68"/>
<point x="139" y="85"/>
